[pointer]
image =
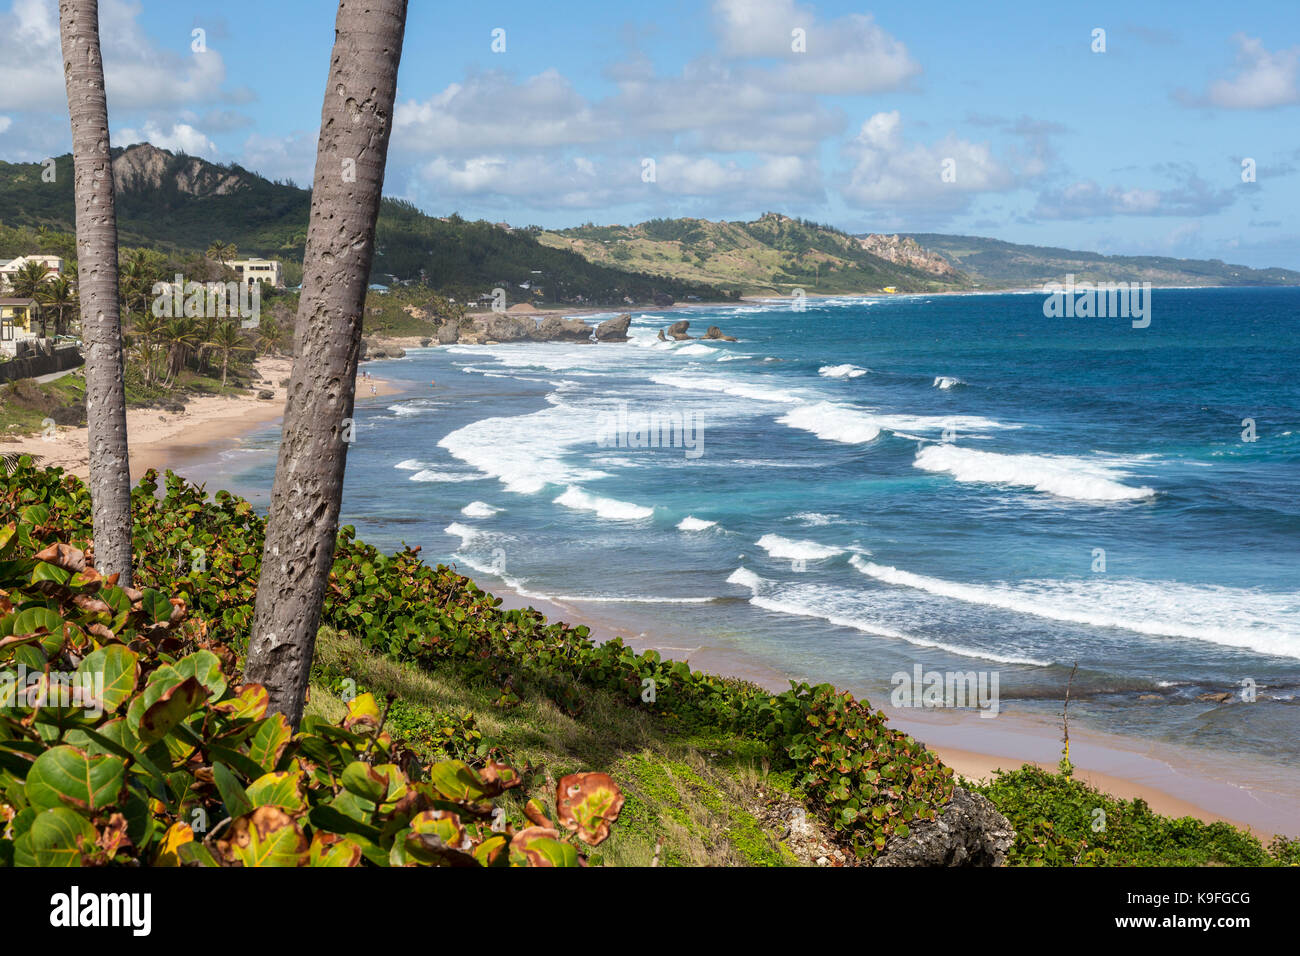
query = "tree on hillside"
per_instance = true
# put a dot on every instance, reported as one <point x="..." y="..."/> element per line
<point x="219" y="252"/>
<point x="101" y="327"/>
<point x="225" y="342"/>
<point x="302" y="526"/>
<point x="58" y="296"/>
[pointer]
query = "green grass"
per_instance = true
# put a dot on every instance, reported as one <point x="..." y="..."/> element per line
<point x="694" y="796"/>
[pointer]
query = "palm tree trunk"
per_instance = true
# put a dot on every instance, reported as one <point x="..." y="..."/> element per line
<point x="101" y="326"/>
<point x="302" y="527"/>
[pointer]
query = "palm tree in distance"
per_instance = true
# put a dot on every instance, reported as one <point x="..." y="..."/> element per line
<point x="226" y="341"/>
<point x="26" y="284"/>
<point x="58" y="295"/>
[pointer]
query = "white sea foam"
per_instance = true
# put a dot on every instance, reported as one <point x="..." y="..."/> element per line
<point x="841" y="371"/>
<point x="695" y="349"/>
<point x="947" y="381"/>
<point x="813" y="518"/>
<point x="1233" y="617"/>
<point x="842" y="609"/>
<point x="1065" y="477"/>
<point x="411" y="464"/>
<point x="704" y="383"/>
<point x="574" y="497"/>
<point x="691" y="523"/>
<point x="527" y="452"/>
<point x="405" y="410"/>
<point x="464" y="532"/>
<point x="479" y="509"/>
<point x="833" y="422"/>
<point x="779" y="547"/>
<point x="432" y="474"/>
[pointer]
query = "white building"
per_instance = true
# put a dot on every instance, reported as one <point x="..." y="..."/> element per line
<point x="14" y="266"/>
<point x="258" y="270"/>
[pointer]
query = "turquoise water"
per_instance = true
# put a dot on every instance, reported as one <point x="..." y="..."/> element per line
<point x="875" y="483"/>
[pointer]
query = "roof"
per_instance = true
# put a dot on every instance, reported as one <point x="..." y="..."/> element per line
<point x="26" y="302"/>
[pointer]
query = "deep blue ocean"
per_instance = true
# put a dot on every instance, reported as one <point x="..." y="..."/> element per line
<point x="873" y="483"/>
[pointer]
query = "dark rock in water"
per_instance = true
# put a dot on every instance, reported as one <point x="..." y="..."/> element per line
<point x="969" y="832"/>
<point x="425" y="342"/>
<point x="678" y="330"/>
<point x="375" y="354"/>
<point x="716" y="333"/>
<point x="615" y="329"/>
<point x="449" y="332"/>
<point x="1215" y="698"/>
<point x="265" y="395"/>
<point x="554" y="329"/>
<point x="508" y="328"/>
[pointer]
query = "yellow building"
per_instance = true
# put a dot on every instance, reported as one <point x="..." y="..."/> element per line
<point x="17" y="318"/>
<point x="258" y="270"/>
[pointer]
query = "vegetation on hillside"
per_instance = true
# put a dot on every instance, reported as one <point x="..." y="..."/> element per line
<point x="186" y="766"/>
<point x="451" y="256"/>
<point x="772" y="255"/>
<point x="993" y="263"/>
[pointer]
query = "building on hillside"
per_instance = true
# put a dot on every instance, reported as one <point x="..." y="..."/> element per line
<point x="258" y="270"/>
<point x="13" y="266"/>
<point x="17" y="323"/>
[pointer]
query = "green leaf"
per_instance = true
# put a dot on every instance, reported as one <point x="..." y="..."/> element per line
<point x="57" y="836"/>
<point x="232" y="792"/>
<point x="175" y="704"/>
<point x="65" y="776"/>
<point x="120" y="669"/>
<point x="205" y="667"/>
<point x="283" y="789"/>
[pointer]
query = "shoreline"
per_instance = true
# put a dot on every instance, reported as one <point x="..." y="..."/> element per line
<point x="162" y="440"/>
<point x="1173" y="780"/>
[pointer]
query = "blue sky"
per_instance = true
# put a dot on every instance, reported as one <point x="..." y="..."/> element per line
<point x="1134" y="150"/>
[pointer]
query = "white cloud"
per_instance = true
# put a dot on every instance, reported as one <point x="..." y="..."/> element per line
<point x="5" y="123"/>
<point x="889" y="171"/>
<point x="137" y="72"/>
<point x="1087" y="199"/>
<point x="1265" y="79"/>
<point x="851" y="54"/>
<point x="180" y="138"/>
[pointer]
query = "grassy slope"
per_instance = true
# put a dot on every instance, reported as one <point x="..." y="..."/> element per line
<point x="702" y="795"/>
<point x="691" y="793"/>
<point x="771" y="256"/>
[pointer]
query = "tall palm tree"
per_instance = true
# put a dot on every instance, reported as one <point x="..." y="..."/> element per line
<point x="356" y="121"/>
<point x="58" y="295"/>
<point x="137" y="284"/>
<point x="26" y="284"/>
<point x="101" y="326"/>
<point x="226" y="341"/>
<point x="147" y="329"/>
<point x="180" y="337"/>
<point x="268" y="336"/>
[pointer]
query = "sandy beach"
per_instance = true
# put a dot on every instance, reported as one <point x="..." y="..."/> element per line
<point x="163" y="440"/>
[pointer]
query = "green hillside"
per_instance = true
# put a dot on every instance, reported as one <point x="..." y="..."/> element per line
<point x="178" y="203"/>
<point x="992" y="263"/>
<point x="770" y="256"/>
